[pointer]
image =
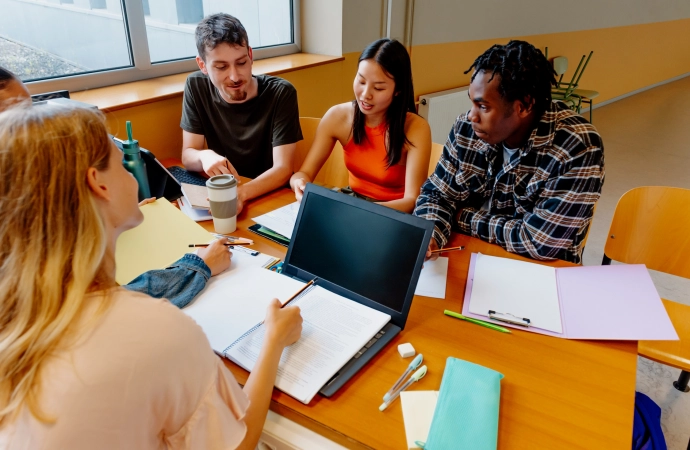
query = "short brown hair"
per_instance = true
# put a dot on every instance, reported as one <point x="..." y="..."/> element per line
<point x="217" y="29"/>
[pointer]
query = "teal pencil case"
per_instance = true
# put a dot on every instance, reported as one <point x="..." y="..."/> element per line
<point x="466" y="414"/>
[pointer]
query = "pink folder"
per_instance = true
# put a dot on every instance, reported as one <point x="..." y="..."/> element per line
<point x="617" y="302"/>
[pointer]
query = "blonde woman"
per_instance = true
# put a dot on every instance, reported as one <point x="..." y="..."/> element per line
<point x="85" y="363"/>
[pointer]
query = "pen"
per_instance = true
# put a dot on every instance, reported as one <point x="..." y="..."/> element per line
<point x="229" y="244"/>
<point x="476" y="322"/>
<point x="449" y="249"/>
<point x="413" y="365"/>
<point x="232" y="238"/>
<point x="418" y="375"/>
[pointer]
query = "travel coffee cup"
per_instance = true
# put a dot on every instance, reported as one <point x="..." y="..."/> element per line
<point x="222" y="196"/>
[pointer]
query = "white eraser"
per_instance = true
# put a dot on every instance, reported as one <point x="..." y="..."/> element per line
<point x="406" y="350"/>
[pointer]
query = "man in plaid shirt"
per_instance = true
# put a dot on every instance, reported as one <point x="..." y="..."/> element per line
<point x="518" y="170"/>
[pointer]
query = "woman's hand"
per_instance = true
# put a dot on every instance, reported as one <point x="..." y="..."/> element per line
<point x="283" y="325"/>
<point x="298" y="185"/>
<point x="146" y="201"/>
<point x="216" y="256"/>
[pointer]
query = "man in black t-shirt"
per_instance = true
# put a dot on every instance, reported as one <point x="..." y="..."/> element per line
<point x="233" y="122"/>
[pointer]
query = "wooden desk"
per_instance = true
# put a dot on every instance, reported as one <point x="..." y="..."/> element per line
<point x="556" y="394"/>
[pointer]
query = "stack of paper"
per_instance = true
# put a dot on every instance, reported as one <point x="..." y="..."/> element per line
<point x="281" y="220"/>
<point x="432" y="279"/>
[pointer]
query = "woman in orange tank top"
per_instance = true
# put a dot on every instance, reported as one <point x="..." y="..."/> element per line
<point x="386" y="144"/>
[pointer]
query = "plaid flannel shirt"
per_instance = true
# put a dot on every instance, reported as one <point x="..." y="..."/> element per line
<point x="541" y="201"/>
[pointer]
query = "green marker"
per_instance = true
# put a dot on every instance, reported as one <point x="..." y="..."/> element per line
<point x="476" y="322"/>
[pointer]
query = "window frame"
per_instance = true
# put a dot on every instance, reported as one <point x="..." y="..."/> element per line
<point x="143" y="69"/>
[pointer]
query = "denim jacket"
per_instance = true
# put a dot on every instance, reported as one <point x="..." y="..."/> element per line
<point x="179" y="283"/>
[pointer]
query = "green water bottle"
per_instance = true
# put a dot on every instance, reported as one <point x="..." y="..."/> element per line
<point x="135" y="164"/>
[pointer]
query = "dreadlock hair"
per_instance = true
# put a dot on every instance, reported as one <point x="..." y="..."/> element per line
<point x="5" y="77"/>
<point x="393" y="58"/>
<point x="526" y="74"/>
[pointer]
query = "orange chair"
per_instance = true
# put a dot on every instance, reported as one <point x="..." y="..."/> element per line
<point x="436" y="152"/>
<point x="334" y="172"/>
<point x="650" y="226"/>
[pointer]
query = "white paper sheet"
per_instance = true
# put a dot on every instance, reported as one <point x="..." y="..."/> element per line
<point x="236" y="300"/>
<point x="519" y="288"/>
<point x="334" y="329"/>
<point x="281" y="220"/>
<point x="418" y="411"/>
<point x="432" y="279"/>
<point x="197" y="215"/>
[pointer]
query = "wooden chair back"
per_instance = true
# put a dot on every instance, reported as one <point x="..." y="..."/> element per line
<point x="436" y="151"/>
<point x="309" y="126"/>
<point x="333" y="172"/>
<point x="650" y="226"/>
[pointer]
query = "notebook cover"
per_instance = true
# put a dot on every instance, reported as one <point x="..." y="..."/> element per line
<point x="612" y="302"/>
<point x="466" y="415"/>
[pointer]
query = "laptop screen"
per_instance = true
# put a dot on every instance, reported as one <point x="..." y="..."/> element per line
<point x="368" y="249"/>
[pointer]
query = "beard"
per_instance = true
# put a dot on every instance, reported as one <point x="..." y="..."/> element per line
<point x="237" y="96"/>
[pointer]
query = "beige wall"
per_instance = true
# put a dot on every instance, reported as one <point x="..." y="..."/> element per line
<point x="442" y="21"/>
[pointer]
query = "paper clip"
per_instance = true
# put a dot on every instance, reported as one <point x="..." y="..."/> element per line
<point x="509" y="318"/>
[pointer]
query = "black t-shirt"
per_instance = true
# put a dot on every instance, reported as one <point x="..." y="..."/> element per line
<point x="245" y="133"/>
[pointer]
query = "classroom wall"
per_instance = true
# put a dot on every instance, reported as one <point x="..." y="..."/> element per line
<point x="636" y="43"/>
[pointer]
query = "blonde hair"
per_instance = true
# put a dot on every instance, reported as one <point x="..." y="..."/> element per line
<point x="52" y="239"/>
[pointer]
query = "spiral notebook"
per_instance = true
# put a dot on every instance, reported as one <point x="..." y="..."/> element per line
<point x="231" y="308"/>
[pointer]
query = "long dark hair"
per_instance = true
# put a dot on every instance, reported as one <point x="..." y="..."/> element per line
<point x="392" y="56"/>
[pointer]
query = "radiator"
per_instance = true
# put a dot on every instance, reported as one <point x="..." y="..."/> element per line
<point x="441" y="109"/>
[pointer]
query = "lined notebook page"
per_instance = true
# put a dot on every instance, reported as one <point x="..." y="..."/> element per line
<point x="334" y="329"/>
<point x="236" y="300"/>
<point x="519" y="288"/>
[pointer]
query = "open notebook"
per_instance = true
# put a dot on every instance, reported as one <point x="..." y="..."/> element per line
<point x="233" y="304"/>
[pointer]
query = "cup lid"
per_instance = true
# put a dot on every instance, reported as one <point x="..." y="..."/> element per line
<point x="224" y="181"/>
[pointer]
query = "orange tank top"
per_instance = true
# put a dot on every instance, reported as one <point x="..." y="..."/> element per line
<point x="366" y="164"/>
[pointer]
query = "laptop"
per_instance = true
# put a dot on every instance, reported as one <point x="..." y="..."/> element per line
<point x="365" y="252"/>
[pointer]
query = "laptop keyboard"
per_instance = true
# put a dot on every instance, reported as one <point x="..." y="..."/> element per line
<point x="368" y="345"/>
<point x="183" y="176"/>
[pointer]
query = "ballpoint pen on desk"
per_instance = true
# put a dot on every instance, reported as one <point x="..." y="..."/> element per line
<point x="418" y="375"/>
<point x="413" y="365"/>
<point x="229" y="244"/>
<point x="449" y="249"/>
<point x="476" y="322"/>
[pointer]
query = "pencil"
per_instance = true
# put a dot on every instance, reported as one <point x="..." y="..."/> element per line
<point x="449" y="249"/>
<point x="229" y="244"/>
<point x="302" y="289"/>
<point x="476" y="322"/>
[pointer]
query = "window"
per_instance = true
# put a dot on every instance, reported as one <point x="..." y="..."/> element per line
<point x="80" y="44"/>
